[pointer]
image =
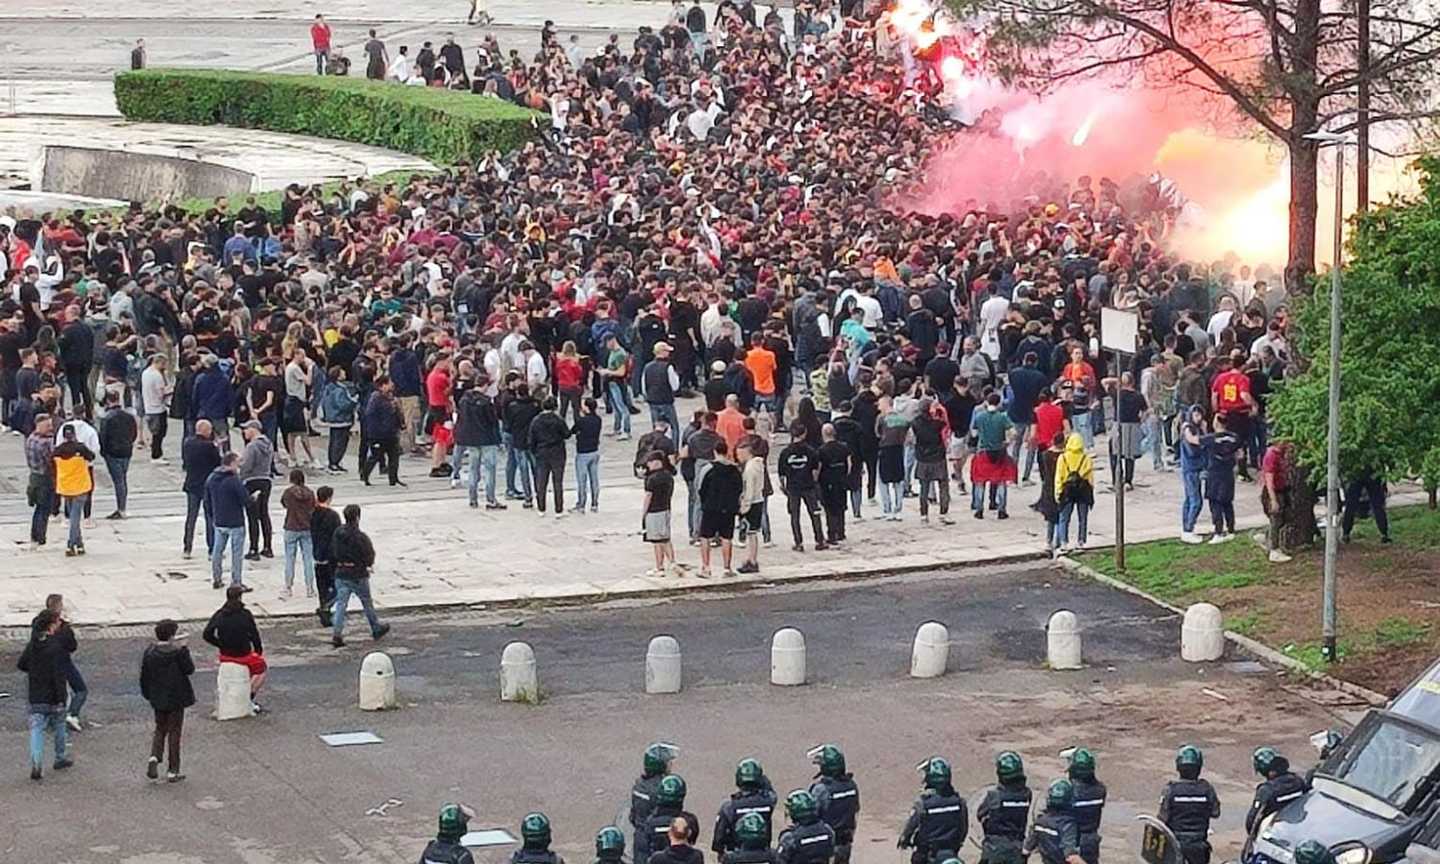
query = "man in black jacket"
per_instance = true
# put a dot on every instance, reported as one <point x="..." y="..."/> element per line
<point x="118" y="430"/>
<point x="43" y="663"/>
<point x="232" y="630"/>
<point x="77" y="353"/>
<point x="547" y="443"/>
<point x="477" y="435"/>
<point x="382" y="432"/>
<point x="323" y="523"/>
<point x="519" y="412"/>
<point x="354" y="555"/>
<point x="198" y="456"/>
<point x="165" y="671"/>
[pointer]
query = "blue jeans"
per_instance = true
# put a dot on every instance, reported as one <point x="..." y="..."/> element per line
<point x="302" y="541"/>
<point x="621" y="406"/>
<point x="587" y="479"/>
<point x="235" y="537"/>
<point x="1080" y="422"/>
<point x="42" y="719"/>
<point x="522" y="464"/>
<point x="481" y="457"/>
<point x="1194" y="500"/>
<point x="1022" y="432"/>
<point x="119" y="468"/>
<point x="977" y="496"/>
<point x="1082" y="531"/>
<point x="667" y="413"/>
<point x="360" y="588"/>
<point x="892" y="498"/>
<point x="78" y="691"/>
<point x="75" y="509"/>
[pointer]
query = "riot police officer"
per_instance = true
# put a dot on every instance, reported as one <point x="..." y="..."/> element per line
<point x="609" y="845"/>
<point x="754" y="794"/>
<point x="1313" y="852"/>
<point x="938" y="823"/>
<point x="1089" y="803"/>
<point x="808" y="840"/>
<point x="1004" y="813"/>
<point x="838" y="798"/>
<point x="446" y="848"/>
<point x="753" y="833"/>
<point x="1054" y="833"/>
<point x="656" y="765"/>
<point x="1188" y="805"/>
<point x="654" y="835"/>
<point x="1279" y="788"/>
<point x="535" y="842"/>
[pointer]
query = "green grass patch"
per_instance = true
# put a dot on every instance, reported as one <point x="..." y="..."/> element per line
<point x="1246" y="625"/>
<point x="442" y="125"/>
<point x="1311" y="654"/>
<point x="1180" y="573"/>
<point x="1400" y="633"/>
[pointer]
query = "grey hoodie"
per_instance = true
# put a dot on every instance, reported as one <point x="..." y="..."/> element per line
<point x="257" y="459"/>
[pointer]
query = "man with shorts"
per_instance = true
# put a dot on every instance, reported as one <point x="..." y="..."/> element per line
<point x="1233" y="403"/>
<point x="720" y="492"/>
<point x="655" y="516"/>
<point x="232" y="630"/>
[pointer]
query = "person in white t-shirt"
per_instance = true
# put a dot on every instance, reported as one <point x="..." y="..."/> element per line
<point x="155" y="392"/>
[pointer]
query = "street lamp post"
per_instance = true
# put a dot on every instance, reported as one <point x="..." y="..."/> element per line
<point x="1332" y="439"/>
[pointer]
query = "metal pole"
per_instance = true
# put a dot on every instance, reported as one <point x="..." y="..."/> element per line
<point x="1332" y="457"/>
<point x="1362" y="109"/>
<point x="1119" y="479"/>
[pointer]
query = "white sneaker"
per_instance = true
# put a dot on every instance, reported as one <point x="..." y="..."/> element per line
<point x="655" y="574"/>
<point x="1191" y="537"/>
<point x="161" y="461"/>
<point x="1278" y="557"/>
<point x="1221" y="538"/>
<point x="73" y="722"/>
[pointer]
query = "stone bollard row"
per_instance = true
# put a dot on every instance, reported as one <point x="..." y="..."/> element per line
<point x="1202" y="639"/>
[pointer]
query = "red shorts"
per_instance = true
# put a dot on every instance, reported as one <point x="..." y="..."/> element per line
<point x="252" y="661"/>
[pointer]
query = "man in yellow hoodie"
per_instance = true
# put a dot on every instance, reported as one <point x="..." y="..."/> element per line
<point x="1074" y="491"/>
<point x="73" y="483"/>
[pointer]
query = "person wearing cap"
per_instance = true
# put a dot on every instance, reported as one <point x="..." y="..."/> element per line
<point x="659" y="381"/>
<point x="257" y="461"/>
<point x="233" y="632"/>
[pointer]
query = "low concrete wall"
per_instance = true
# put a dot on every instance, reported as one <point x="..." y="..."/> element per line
<point x="136" y="176"/>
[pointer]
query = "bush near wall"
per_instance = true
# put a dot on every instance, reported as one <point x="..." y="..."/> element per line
<point x="444" y="126"/>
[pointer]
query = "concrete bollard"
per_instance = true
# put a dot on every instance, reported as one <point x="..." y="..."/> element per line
<point x="1202" y="636"/>
<point x="787" y="657"/>
<point x="377" y="682"/>
<point x="519" y="682"/>
<point x="232" y="692"/>
<point x="1062" y="641"/>
<point x="662" y="665"/>
<point x="931" y="652"/>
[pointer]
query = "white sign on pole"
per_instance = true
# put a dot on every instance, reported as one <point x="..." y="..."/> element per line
<point x="1119" y="330"/>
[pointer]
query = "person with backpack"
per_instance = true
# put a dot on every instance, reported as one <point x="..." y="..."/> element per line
<point x="337" y="412"/>
<point x="1074" y="491"/>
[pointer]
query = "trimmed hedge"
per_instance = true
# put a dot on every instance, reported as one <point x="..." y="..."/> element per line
<point x="444" y="126"/>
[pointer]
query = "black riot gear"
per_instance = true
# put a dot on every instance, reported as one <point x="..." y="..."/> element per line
<point x="756" y="796"/>
<point x="1004" y="814"/>
<point x="1086" y="810"/>
<point x="808" y="840"/>
<point x="1186" y="808"/>
<point x="937" y="825"/>
<point x="1053" y="833"/>
<point x="839" y="800"/>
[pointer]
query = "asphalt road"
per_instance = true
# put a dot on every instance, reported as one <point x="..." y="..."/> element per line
<point x="267" y="790"/>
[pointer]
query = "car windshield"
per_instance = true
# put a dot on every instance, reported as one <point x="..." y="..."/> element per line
<point x="1386" y="759"/>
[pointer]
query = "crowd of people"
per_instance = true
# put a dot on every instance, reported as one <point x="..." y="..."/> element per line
<point x="715" y="211"/>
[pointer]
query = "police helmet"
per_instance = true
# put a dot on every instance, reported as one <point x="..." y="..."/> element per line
<point x="1266" y="759"/>
<point x="751" y="831"/>
<point x="1009" y="767"/>
<point x="831" y="761"/>
<point x="749" y="774"/>
<point x="1082" y="764"/>
<point x="610" y="843"/>
<point x="535" y="830"/>
<point x="937" y="773"/>
<point x="453" y="822"/>
<point x="1060" y="796"/>
<point x="671" y="791"/>
<point x="952" y="860"/>
<point x="1189" y="760"/>
<point x="801" y="806"/>
<point x="658" y="757"/>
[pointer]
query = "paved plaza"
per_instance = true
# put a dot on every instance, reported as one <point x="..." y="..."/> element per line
<point x="433" y="550"/>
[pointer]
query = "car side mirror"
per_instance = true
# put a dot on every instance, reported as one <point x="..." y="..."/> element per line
<point x="1417" y="854"/>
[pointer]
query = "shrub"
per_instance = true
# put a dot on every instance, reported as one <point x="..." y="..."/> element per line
<point x="444" y="126"/>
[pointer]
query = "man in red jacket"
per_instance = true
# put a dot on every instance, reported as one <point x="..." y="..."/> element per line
<point x="320" y="38"/>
